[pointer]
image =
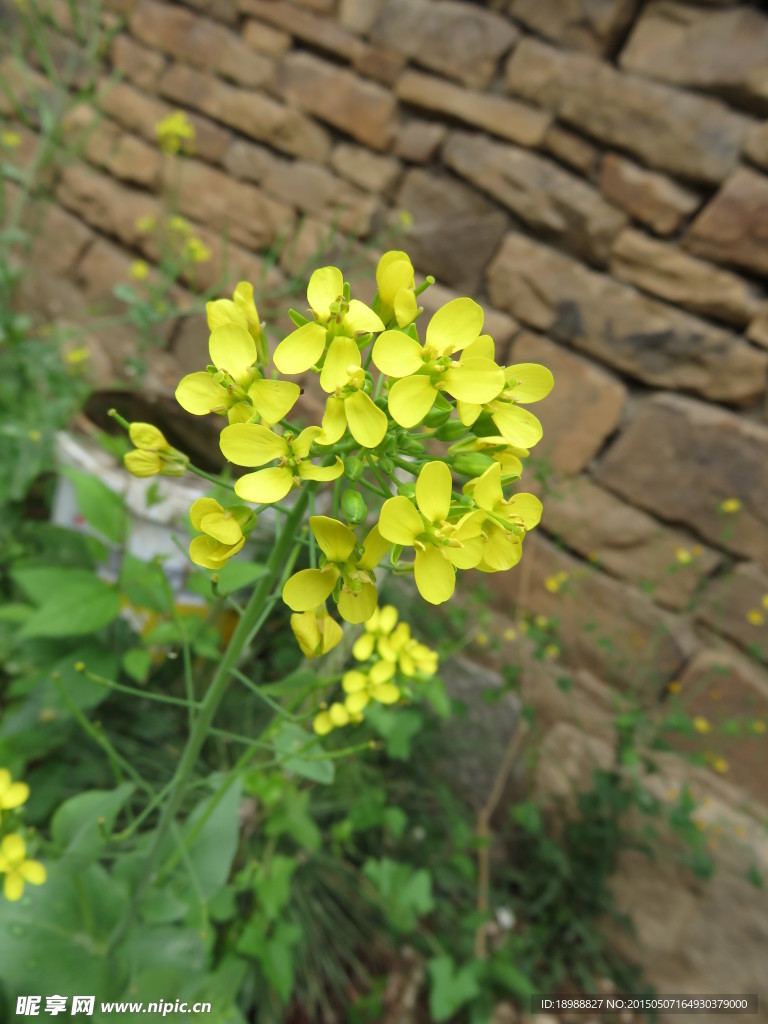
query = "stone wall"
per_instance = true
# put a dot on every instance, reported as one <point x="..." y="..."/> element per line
<point x="596" y="172"/>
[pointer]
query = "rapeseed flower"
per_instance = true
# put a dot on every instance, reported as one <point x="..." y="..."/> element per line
<point x="16" y="868"/>
<point x="139" y="270"/>
<point x="234" y="385"/>
<point x="335" y="717"/>
<point x="506" y="520"/>
<point x="344" y="572"/>
<point x="376" y="684"/>
<point x="391" y="640"/>
<point x="223" y="532"/>
<point x="175" y="132"/>
<point x="395" y="282"/>
<point x="153" y="454"/>
<point x="12" y="794"/>
<point x="730" y="506"/>
<point x="251" y="444"/>
<point x="350" y="406"/>
<point x="241" y="310"/>
<point x="316" y="631"/>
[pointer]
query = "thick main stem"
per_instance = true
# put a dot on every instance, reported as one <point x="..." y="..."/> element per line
<point x="208" y="708"/>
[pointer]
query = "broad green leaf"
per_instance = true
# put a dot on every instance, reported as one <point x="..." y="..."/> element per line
<point x="39" y="583"/>
<point x="450" y="989"/>
<point x="273" y="883"/>
<point x="144" y="584"/>
<point x="137" y="663"/>
<point x="82" y="824"/>
<point x="235" y="575"/>
<point x="213" y="848"/>
<point x="288" y="740"/>
<point x="406" y="895"/>
<point x="81" y="608"/>
<point x="99" y="505"/>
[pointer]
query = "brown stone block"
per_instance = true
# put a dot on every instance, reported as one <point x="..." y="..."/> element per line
<point x="550" y="200"/>
<point x="614" y="323"/>
<point x="655" y="200"/>
<point x="571" y="149"/>
<point x="317" y="191"/>
<point x="626" y="542"/>
<point x="583" y="409"/>
<point x="756" y="147"/>
<point x="370" y="171"/>
<point x="680" y="459"/>
<point x="591" y="25"/>
<point x="59" y="240"/>
<point x="418" y="141"/>
<point x="670" y="273"/>
<point x="380" y="64"/>
<point x="503" y="117"/>
<point x="221" y="10"/>
<point x="694" y="136"/>
<point x="138" y="64"/>
<point x="320" y="32"/>
<point x="733" y="606"/>
<point x="266" y="39"/>
<point x="733" y="227"/>
<point x="251" y="113"/>
<point x="178" y="32"/>
<point x="248" y="160"/>
<point x="354" y="105"/>
<point x="758" y="328"/>
<point x="457" y="39"/>
<point x="725" y="52"/>
<point x="110" y="208"/>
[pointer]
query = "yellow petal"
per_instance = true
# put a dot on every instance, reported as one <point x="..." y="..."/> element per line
<point x="534" y="382"/>
<point x="251" y="444"/>
<point x="381" y="672"/>
<point x="359" y="607"/>
<point x="363" y="646"/>
<point x="33" y="871"/>
<point x="232" y="349"/>
<point x="201" y="508"/>
<point x="304" y="440"/>
<point x="13" y="849"/>
<point x="356" y="702"/>
<point x="326" y="285"/>
<point x="399" y="522"/>
<point x="468" y="555"/>
<point x="243" y="300"/>
<point x="199" y="394"/>
<point x="389" y="282"/>
<point x="332" y="633"/>
<point x="301" y="349"/>
<point x="13" y="886"/>
<point x="468" y="412"/>
<point x="210" y="554"/>
<point x="273" y="399"/>
<point x="240" y="412"/>
<point x="334" y="422"/>
<point x="309" y="588"/>
<point x="266" y="486"/>
<point x="338" y="714"/>
<point x="410" y="399"/>
<point x="367" y="422"/>
<point x="406" y="308"/>
<point x="374" y="548"/>
<point x="142" y="463"/>
<point x="433" y="491"/>
<point x="336" y="540"/>
<point x="526" y="507"/>
<point x="223" y="527"/>
<point x="13" y="795"/>
<point x="397" y="354"/>
<point x="487" y="490"/>
<point x="385" y="693"/>
<point x="307" y="471"/>
<point x="482" y="347"/>
<point x="435" y="578"/>
<point x="502" y="550"/>
<point x="517" y="426"/>
<point x="224" y="311"/>
<point x="145" y="435"/>
<point x="360" y="319"/>
<point x="342" y="353"/>
<point x="354" y="681"/>
<point x="473" y="380"/>
<point x="454" y="326"/>
<point x="322" y="724"/>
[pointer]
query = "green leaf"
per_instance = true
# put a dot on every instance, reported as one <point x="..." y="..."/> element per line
<point x="397" y="727"/>
<point x="213" y="848"/>
<point x="273" y="884"/>
<point x="81" y="608"/>
<point x="288" y="740"/>
<point x="144" y="584"/>
<point x="81" y="826"/>
<point x="137" y="663"/>
<point x="100" y="506"/>
<point x="236" y="575"/>
<point x="451" y="989"/>
<point x="406" y="895"/>
<point x="40" y="582"/>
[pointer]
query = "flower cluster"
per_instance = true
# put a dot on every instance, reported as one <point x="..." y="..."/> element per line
<point x="15" y="867"/>
<point x="175" y="132"/>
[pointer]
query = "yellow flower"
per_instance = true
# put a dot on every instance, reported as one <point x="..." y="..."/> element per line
<point x="175" y="132"/>
<point x="395" y="282"/>
<point x="701" y="725"/>
<point x="759" y="726"/>
<point x="139" y="270"/>
<point x="720" y="765"/>
<point x="505" y="520"/>
<point x="674" y="687"/>
<point x="764" y="601"/>
<point x="222" y="529"/>
<point x="180" y="226"/>
<point x="10" y="140"/>
<point x="392" y="641"/>
<point x="316" y="632"/>
<point x="197" y="251"/>
<point x="551" y="650"/>
<point x="145" y="224"/>
<point x="251" y="444"/>
<point x="349" y="406"/>
<point x="554" y="583"/>
<point x="376" y="684"/>
<point x="344" y="571"/>
<point x="496" y="448"/>
<point x="335" y="717"/>
<point x="730" y="505"/>
<point x="240" y="310"/>
<point x="75" y="356"/>
<point x="12" y="794"/>
<point x="441" y="546"/>
<point x="683" y="555"/>
<point x="337" y="322"/>
<point x="425" y="371"/>
<point x="755" y="617"/>
<point x="509" y="634"/>
<point x="153" y="454"/>
<point x="234" y="385"/>
<point x="16" y="868"/>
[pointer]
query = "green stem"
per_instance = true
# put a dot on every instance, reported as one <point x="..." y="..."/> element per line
<point x="207" y="710"/>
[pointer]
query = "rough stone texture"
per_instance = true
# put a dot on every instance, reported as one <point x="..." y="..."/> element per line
<point x="592" y="25"/>
<point x="353" y="105"/>
<point x="701" y="456"/>
<point x="138" y="64"/>
<point x="612" y="322"/>
<point x="725" y="52"/>
<point x="248" y="160"/>
<point x="457" y="39"/>
<point x="583" y="408"/>
<point x="628" y="543"/>
<point x="733" y="227"/>
<point x="502" y="328"/>
<point x="756" y="146"/>
<point x="604" y="626"/>
<point x="666" y="271"/>
<point x="106" y="206"/>
<point x="455" y="230"/>
<point x="265" y="39"/>
<point x="550" y="200"/>
<point x="252" y="113"/>
<point x="370" y="171"/>
<point x="316" y="190"/>
<point x="693" y="136"/>
<point x="60" y="242"/>
<point x="380" y="64"/>
<point x="418" y="141"/>
<point x="321" y="33"/>
<point x="509" y="119"/>
<point x="178" y="32"/>
<point x="655" y="200"/>
<point x="726" y="605"/>
<point x="758" y="329"/>
<point x="571" y="149"/>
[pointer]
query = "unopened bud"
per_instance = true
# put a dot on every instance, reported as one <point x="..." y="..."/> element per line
<point x="354" y="467"/>
<point x="436" y="417"/>
<point x="407" y="489"/>
<point x="453" y="430"/>
<point x="387" y="466"/>
<point x="472" y="463"/>
<point x="353" y="507"/>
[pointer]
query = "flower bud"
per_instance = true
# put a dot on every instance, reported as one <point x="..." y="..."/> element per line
<point x="453" y="430"/>
<point x="436" y="417"/>
<point x="353" y="507"/>
<point x="354" y="467"/>
<point x="472" y="463"/>
<point x="387" y="466"/>
<point x="407" y="489"/>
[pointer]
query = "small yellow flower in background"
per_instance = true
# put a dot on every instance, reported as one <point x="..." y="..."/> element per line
<point x="552" y="651"/>
<point x="180" y="226"/>
<point x="674" y="687"/>
<point x="153" y="454"/>
<point x="16" y="868"/>
<point x="222" y="532"/>
<point x="197" y="251"/>
<point x="12" y="794"/>
<point x="755" y="617"/>
<point x="316" y="631"/>
<point x="764" y="601"/>
<point x="392" y="641"/>
<point x="10" y="140"/>
<point x="720" y="765"/>
<point x="336" y="717"/>
<point x="759" y="726"/>
<point x="251" y="444"/>
<point x="730" y="505"/>
<point x="75" y="356"/>
<point x="554" y="583"/>
<point x="701" y="724"/>
<point x="510" y="634"/>
<point x="175" y="132"/>
<point x="35" y="435"/>
<point x="541" y="621"/>
<point x="146" y="224"/>
<point x="139" y="270"/>
<point x="405" y="217"/>
<point x="740" y="831"/>
<point x="363" y="687"/>
<point x="482" y="639"/>
<point x="395" y="282"/>
<point x="683" y="555"/>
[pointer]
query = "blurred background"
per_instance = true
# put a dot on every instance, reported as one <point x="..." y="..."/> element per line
<point x="595" y="173"/>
